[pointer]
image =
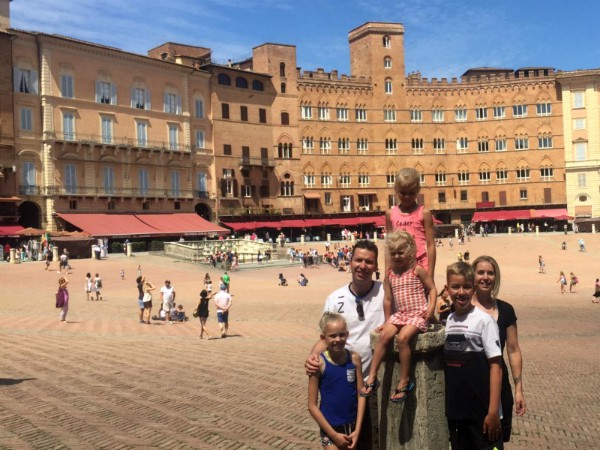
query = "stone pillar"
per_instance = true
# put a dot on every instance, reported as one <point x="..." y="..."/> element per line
<point x="13" y="255"/>
<point x="593" y="228"/>
<point x="302" y="239"/>
<point x="328" y="237"/>
<point x="509" y="231"/>
<point x="55" y="254"/>
<point x="537" y="230"/>
<point x="420" y="422"/>
<point x="352" y="238"/>
<point x="375" y="236"/>
<point x="456" y="234"/>
<point x="129" y="250"/>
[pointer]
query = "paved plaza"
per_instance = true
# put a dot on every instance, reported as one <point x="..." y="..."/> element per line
<point x="103" y="380"/>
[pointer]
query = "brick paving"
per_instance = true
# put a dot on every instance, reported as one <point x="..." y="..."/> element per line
<point x="103" y="381"/>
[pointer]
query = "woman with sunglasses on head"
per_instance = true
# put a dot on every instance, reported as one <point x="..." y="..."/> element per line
<point x="487" y="285"/>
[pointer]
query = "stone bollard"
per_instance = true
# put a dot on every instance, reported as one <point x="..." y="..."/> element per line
<point x="129" y="251"/>
<point x="55" y="254"/>
<point x="13" y="255"/>
<point x="419" y="423"/>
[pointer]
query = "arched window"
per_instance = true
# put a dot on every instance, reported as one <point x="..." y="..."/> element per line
<point x="241" y="82"/>
<point x="282" y="69"/>
<point x="388" y="86"/>
<point x="387" y="42"/>
<point x="224" y="79"/>
<point x="258" y="86"/>
<point x="387" y="62"/>
<point x="285" y="118"/>
<point x="283" y="88"/>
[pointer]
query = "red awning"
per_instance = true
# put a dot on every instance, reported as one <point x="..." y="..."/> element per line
<point x="316" y="222"/>
<point x="10" y="230"/>
<point x="292" y="223"/>
<point x="557" y="213"/>
<point x="106" y="225"/>
<point x="181" y="223"/>
<point x="492" y="216"/>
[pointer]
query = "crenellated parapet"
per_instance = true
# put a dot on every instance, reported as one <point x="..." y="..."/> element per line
<point x="333" y="76"/>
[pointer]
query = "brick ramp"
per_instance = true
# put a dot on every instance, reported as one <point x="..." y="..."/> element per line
<point x="105" y="381"/>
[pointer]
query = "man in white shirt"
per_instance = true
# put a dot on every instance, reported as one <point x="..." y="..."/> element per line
<point x="223" y="303"/>
<point x="167" y="295"/>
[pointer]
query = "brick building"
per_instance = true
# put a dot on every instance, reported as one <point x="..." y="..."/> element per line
<point x="101" y="129"/>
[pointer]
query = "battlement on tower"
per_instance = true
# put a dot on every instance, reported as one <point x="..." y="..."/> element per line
<point x="321" y="75"/>
<point x="478" y="77"/>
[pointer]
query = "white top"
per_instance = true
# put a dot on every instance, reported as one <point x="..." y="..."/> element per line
<point x="342" y="301"/>
<point x="167" y="293"/>
<point x="480" y="331"/>
<point x="222" y="300"/>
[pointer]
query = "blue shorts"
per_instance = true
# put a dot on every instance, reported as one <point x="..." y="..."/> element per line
<point x="141" y="303"/>
<point x="222" y="317"/>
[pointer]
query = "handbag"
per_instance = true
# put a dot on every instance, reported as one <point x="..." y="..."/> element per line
<point x="147" y="297"/>
<point x="195" y="312"/>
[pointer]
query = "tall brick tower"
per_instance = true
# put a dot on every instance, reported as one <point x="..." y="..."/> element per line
<point x="377" y="52"/>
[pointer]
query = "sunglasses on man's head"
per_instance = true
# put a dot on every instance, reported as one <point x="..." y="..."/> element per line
<point x="360" y="311"/>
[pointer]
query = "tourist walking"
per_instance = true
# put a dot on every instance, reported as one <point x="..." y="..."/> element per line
<point x="562" y="279"/>
<point x="202" y="310"/>
<point x="223" y="303"/>
<point x="573" y="283"/>
<point x="98" y="286"/>
<point x="88" y="285"/>
<point x="139" y="281"/>
<point x="596" y="298"/>
<point x="62" y="298"/>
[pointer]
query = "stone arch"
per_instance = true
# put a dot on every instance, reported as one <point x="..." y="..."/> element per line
<point x="204" y="211"/>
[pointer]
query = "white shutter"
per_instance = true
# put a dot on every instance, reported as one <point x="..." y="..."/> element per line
<point x="16" y="79"/>
<point x="165" y="101"/>
<point x="147" y="94"/>
<point x="34" y="82"/>
<point x="113" y="94"/>
<point x="178" y="104"/>
<point x="132" y="93"/>
<point x="98" y="95"/>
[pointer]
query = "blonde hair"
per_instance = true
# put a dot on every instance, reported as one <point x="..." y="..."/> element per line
<point x="408" y="178"/>
<point x="494" y="264"/>
<point x="330" y="317"/>
<point x="462" y="269"/>
<point x="401" y="239"/>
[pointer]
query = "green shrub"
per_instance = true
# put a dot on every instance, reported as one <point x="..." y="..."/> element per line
<point x="138" y="246"/>
<point x="116" y="247"/>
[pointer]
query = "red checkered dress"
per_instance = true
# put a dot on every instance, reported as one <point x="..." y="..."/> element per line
<point x="410" y="302"/>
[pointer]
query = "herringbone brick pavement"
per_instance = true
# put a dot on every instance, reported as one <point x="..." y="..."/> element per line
<point x="104" y="381"/>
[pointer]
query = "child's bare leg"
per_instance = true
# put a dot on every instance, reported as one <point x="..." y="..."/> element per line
<point x="407" y="332"/>
<point x="385" y="336"/>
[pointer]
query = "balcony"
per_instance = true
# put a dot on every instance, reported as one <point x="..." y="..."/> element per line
<point x="75" y="191"/>
<point x="258" y="162"/>
<point x="114" y="141"/>
<point x="29" y="190"/>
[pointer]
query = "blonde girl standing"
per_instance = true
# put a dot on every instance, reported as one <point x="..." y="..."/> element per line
<point x="409" y="216"/>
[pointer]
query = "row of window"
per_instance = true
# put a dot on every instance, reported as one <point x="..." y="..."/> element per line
<point x="144" y="187"/>
<point x="262" y="114"/>
<point x="26" y="81"/>
<point x="416" y="114"/>
<point x="107" y="133"/>
<point x="499" y="144"/>
<point x="240" y="82"/>
<point x="440" y="177"/>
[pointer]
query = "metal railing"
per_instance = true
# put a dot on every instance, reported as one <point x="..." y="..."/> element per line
<point x="262" y="162"/>
<point x="117" y="141"/>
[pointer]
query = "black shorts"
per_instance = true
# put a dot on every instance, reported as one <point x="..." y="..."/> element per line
<point x="468" y="435"/>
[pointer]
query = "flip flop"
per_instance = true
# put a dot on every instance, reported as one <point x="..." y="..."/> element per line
<point x="373" y="387"/>
<point x="406" y="391"/>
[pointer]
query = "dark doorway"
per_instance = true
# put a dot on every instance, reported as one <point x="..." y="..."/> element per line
<point x="204" y="211"/>
<point x="29" y="215"/>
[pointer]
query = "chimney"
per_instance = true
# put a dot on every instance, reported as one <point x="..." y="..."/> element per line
<point x="5" y="15"/>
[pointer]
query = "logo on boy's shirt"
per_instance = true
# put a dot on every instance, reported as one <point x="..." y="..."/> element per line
<point x="351" y="375"/>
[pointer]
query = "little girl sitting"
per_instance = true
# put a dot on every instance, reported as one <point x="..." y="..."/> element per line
<point x="282" y="280"/>
<point x="405" y="287"/>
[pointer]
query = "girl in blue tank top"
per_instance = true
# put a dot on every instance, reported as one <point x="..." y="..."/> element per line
<point x="341" y="409"/>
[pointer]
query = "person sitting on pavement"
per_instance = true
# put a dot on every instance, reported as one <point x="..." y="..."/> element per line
<point x="302" y="280"/>
<point x="282" y="280"/>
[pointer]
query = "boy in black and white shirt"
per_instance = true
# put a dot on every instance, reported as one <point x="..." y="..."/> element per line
<point x="473" y="370"/>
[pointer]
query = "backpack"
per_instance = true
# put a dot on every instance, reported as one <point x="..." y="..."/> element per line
<point x="98" y="283"/>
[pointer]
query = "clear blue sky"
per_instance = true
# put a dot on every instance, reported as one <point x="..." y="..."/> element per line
<point x="443" y="38"/>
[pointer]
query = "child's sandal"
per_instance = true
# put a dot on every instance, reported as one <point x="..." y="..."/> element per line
<point x="373" y="387"/>
<point x="406" y="390"/>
